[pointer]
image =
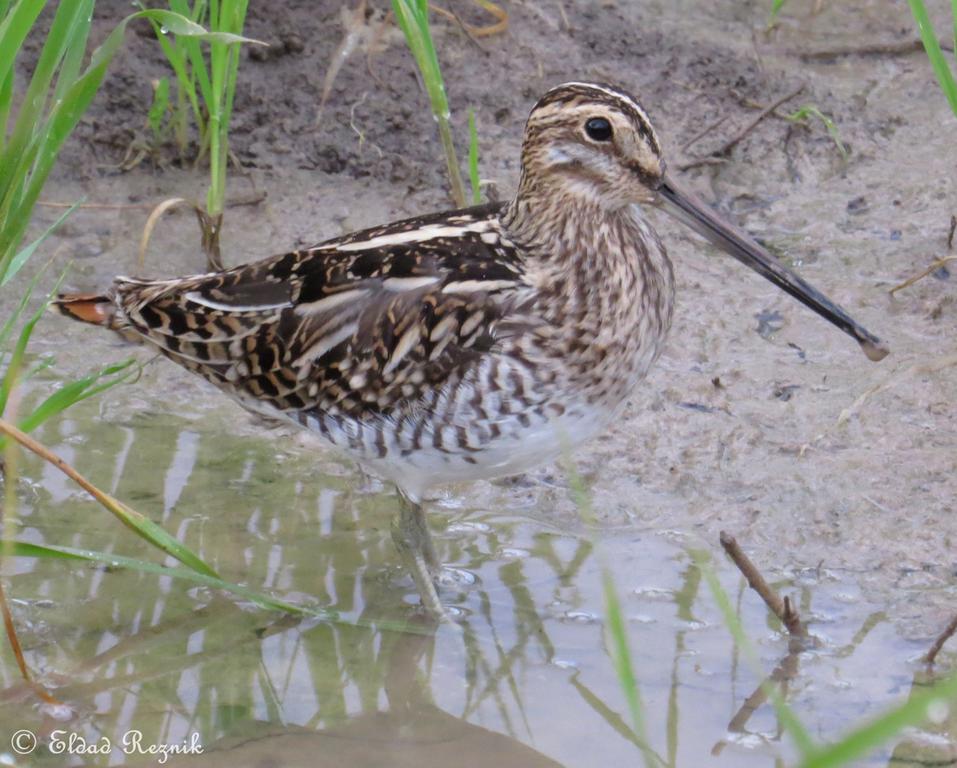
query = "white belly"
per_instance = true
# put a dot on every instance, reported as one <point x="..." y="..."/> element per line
<point x="517" y="450"/>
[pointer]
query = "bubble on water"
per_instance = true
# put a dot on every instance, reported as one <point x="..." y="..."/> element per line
<point x="693" y="625"/>
<point x="746" y="740"/>
<point x="58" y="711"/>
<point x="513" y="553"/>
<point x="654" y="593"/>
<point x="565" y="663"/>
<point x="581" y="617"/>
<point x="449" y="501"/>
<point x="455" y="611"/>
<point x="466" y="526"/>
<point x="449" y="576"/>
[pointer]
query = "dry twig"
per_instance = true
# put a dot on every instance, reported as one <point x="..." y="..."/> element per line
<point x="208" y="226"/>
<point x="702" y="133"/>
<point x="783" y="609"/>
<point x="463" y="25"/>
<point x="731" y="143"/>
<point x="11" y="631"/>
<point x="734" y="140"/>
<point x="97" y="206"/>
<point x="932" y="268"/>
<point x="486" y="30"/>
<point x="51" y="458"/>
<point x="869" y="49"/>
<point x="783" y="672"/>
<point x="895" y="378"/>
<point x="939" y="642"/>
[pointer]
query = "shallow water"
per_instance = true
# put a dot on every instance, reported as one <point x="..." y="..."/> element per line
<point x="525" y="679"/>
<point x="836" y="475"/>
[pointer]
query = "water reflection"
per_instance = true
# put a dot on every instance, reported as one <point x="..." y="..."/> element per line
<point x="526" y="680"/>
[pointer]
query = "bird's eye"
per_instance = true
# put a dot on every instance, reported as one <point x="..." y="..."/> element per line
<point x="599" y="129"/>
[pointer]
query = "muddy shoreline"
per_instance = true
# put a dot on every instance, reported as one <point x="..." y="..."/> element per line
<point x="835" y="474"/>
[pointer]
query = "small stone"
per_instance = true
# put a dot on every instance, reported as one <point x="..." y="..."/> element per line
<point x="858" y="205"/>
<point x="292" y="42"/>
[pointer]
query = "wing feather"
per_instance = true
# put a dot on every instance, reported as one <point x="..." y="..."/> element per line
<point x="353" y="326"/>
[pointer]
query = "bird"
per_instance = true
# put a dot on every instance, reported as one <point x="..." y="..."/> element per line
<point x="466" y="344"/>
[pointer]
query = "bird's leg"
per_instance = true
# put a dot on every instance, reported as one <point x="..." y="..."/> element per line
<point x="411" y="536"/>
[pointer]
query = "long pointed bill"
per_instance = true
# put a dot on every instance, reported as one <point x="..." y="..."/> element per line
<point x="691" y="210"/>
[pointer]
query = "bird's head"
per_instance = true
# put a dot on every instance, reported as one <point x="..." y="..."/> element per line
<point x="591" y="147"/>
<point x="593" y="142"/>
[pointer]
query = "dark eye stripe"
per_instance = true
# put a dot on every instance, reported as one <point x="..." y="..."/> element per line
<point x="598" y="129"/>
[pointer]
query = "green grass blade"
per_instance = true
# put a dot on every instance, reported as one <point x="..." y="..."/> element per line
<point x="67" y="23"/>
<point x="36" y="161"/>
<point x="615" y="624"/>
<point x="72" y="62"/>
<point x="776" y="6"/>
<point x="237" y="13"/>
<point x="41" y="365"/>
<point x="953" y="13"/>
<point x="138" y="523"/>
<point x="932" y="46"/>
<point x="6" y="101"/>
<point x="156" y="116"/>
<point x="14" y="29"/>
<point x="176" y="54"/>
<point x="474" y="159"/>
<point x="26" y="549"/>
<point x="63" y="118"/>
<point x="624" y="667"/>
<point x="179" y="24"/>
<point x="810" y="110"/>
<point x="229" y="18"/>
<point x="12" y="374"/>
<point x="865" y="738"/>
<point x="80" y="389"/>
<point x="11" y="321"/>
<point x="199" y="69"/>
<point x="16" y="264"/>
<point x="156" y="535"/>
<point x="413" y="19"/>
<point x="786" y="715"/>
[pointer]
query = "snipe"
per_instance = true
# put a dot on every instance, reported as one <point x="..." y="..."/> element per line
<point x="467" y="344"/>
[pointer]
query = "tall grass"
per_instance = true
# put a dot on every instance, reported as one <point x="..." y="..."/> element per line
<point x="938" y="61"/>
<point x="205" y="87"/>
<point x="413" y="18"/>
<point x="33" y="128"/>
<point x="57" y="96"/>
